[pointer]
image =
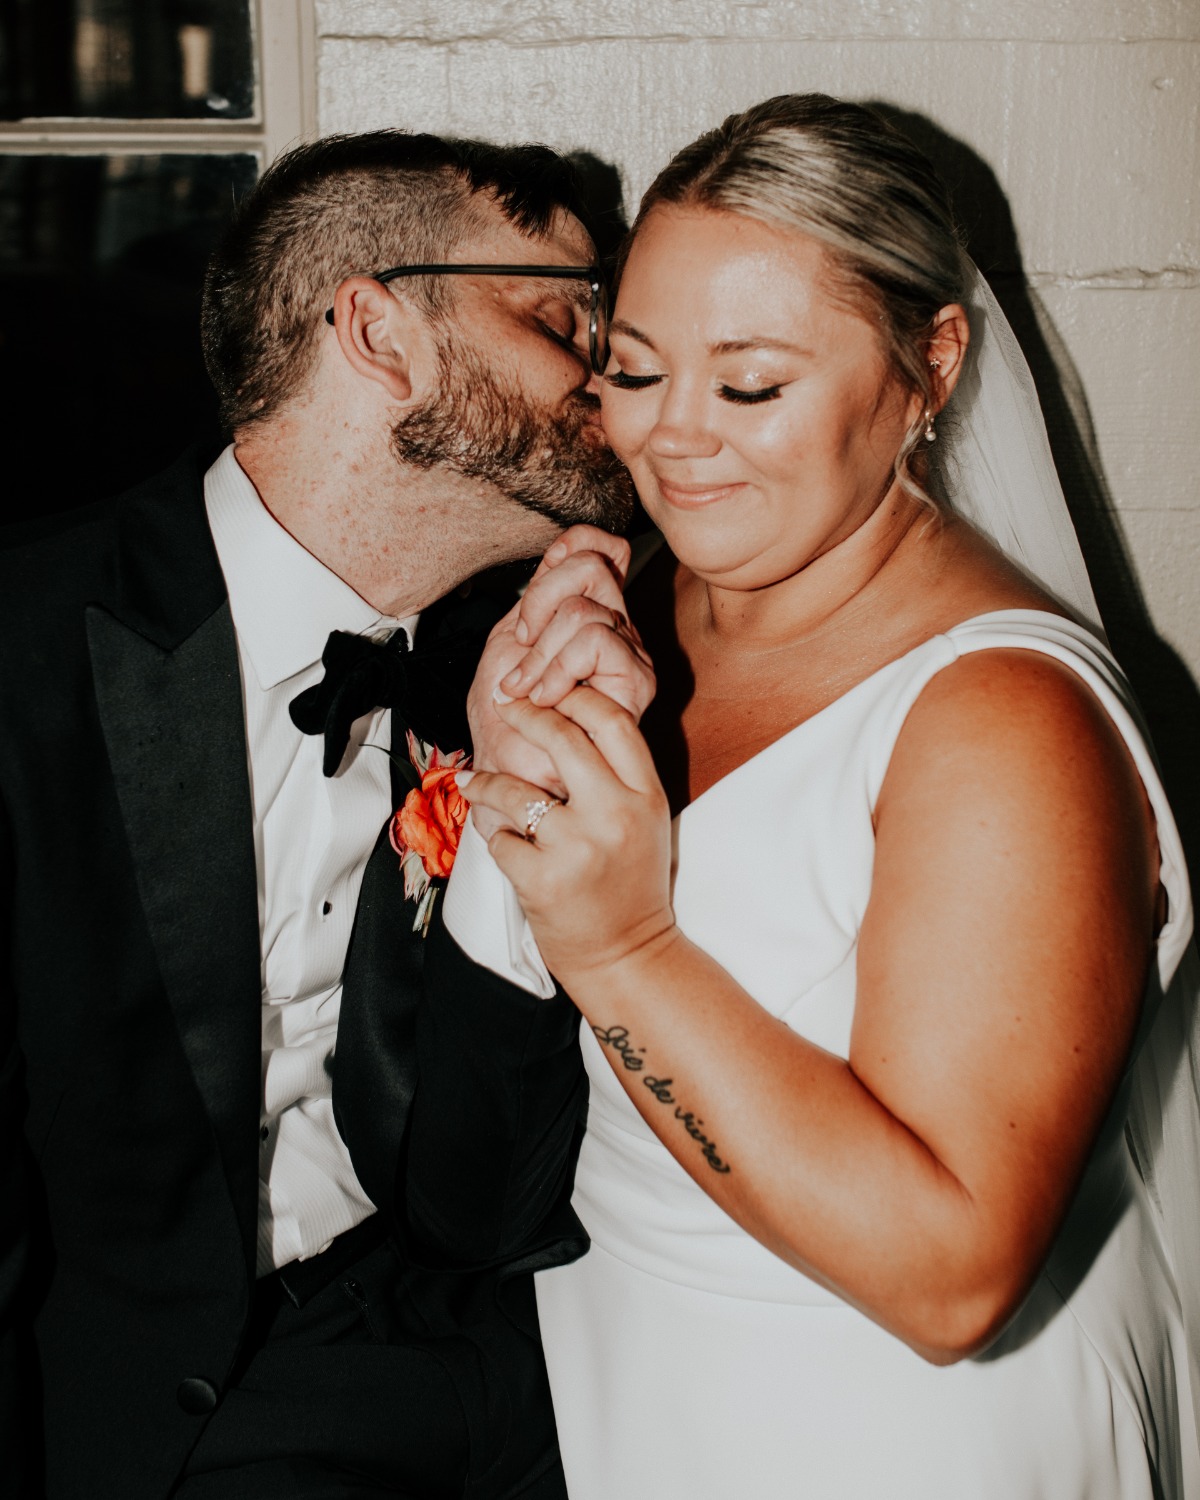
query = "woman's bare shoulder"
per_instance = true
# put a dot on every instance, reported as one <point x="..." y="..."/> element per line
<point x="1011" y="753"/>
<point x="1014" y="711"/>
<point x="1004" y="716"/>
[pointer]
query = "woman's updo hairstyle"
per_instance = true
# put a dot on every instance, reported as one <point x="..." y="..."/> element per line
<point x="843" y="175"/>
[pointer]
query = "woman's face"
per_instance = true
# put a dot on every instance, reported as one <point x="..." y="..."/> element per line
<point x="753" y="409"/>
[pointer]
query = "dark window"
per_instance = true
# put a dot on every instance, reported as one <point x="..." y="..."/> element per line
<point x="126" y="59"/>
<point x="101" y="261"/>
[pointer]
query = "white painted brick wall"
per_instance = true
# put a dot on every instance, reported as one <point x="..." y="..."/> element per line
<point x="1084" y="112"/>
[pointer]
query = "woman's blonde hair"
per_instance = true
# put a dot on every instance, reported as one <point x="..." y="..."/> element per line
<point x="843" y="175"/>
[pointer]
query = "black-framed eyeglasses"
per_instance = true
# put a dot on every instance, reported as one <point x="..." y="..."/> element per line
<point x="597" y="313"/>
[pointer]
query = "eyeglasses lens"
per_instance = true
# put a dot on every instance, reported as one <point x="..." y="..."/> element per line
<point x="598" y="328"/>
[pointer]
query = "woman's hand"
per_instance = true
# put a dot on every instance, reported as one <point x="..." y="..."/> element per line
<point x="594" y="880"/>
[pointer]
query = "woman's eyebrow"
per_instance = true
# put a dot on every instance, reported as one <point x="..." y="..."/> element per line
<point x="723" y="346"/>
<point x="739" y="346"/>
<point x="619" y="325"/>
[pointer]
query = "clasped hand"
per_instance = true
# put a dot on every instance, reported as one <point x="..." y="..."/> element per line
<point x="595" y="884"/>
<point x="569" y="627"/>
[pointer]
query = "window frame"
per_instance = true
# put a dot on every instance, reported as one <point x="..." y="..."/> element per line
<point x="284" y="42"/>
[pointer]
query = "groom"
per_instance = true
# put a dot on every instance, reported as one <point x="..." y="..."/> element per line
<point x="213" y="1281"/>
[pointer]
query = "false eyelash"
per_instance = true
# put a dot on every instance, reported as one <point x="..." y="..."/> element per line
<point x="624" y="382"/>
<point x="749" y="398"/>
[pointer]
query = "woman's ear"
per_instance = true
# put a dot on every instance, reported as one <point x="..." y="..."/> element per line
<point x="382" y="338"/>
<point x="945" y="351"/>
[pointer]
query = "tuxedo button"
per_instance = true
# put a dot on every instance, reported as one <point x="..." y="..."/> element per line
<point x="197" y="1397"/>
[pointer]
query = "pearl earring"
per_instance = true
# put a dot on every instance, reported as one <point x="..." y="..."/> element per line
<point x="930" y="432"/>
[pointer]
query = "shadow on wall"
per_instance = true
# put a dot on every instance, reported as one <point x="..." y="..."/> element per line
<point x="1166" y="689"/>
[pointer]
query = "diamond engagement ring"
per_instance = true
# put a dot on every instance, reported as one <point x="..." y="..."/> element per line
<point x="535" y="812"/>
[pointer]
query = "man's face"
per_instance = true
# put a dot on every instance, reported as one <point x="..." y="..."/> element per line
<point x="513" y="406"/>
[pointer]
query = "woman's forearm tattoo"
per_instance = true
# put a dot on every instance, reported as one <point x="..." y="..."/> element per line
<point x="617" y="1040"/>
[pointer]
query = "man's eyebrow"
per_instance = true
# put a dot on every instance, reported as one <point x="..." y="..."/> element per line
<point x="565" y="288"/>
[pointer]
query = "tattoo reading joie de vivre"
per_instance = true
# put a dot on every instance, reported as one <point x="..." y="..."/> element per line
<point x="617" y="1039"/>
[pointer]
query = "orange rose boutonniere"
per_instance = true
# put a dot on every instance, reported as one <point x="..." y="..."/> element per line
<point x="426" y="830"/>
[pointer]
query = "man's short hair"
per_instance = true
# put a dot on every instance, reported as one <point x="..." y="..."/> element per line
<point x="347" y="205"/>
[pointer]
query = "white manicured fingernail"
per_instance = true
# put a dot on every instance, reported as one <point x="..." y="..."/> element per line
<point x="463" y="778"/>
<point x="522" y="632"/>
<point x="500" y="697"/>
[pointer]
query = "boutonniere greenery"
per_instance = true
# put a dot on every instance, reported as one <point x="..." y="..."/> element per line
<point x="425" y="830"/>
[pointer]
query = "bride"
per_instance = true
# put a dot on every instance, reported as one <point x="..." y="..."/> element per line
<point x="870" y="921"/>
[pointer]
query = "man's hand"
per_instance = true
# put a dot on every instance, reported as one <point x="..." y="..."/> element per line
<point x="569" y="627"/>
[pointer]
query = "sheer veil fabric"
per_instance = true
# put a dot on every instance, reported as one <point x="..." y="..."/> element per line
<point x="994" y="464"/>
<point x="995" y="468"/>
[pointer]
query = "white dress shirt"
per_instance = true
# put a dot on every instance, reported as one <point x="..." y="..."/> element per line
<point x="484" y="917"/>
<point x="312" y="838"/>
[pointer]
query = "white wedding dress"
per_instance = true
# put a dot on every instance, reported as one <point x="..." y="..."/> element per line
<point x="689" y="1363"/>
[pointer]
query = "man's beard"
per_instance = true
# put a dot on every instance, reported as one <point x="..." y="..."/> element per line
<point x="555" y="464"/>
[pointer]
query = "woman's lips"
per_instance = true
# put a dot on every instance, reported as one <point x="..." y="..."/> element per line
<point x="695" y="496"/>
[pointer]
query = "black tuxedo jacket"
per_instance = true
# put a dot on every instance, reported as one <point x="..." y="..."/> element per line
<point x="130" y="1031"/>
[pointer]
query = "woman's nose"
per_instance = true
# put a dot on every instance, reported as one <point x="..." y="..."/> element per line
<point x="682" y="430"/>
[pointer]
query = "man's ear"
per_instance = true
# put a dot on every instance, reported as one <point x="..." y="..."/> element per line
<point x="946" y="351"/>
<point x="383" y="338"/>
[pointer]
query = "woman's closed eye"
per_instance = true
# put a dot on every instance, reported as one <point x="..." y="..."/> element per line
<point x="748" y="398"/>
<point x="623" y="381"/>
<point x="626" y="382"/>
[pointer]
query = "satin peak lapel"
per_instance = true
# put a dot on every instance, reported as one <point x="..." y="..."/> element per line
<point x="173" y="723"/>
<point x="374" y="1071"/>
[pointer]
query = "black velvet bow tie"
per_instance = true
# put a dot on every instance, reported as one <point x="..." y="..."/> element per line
<point x="426" y="689"/>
